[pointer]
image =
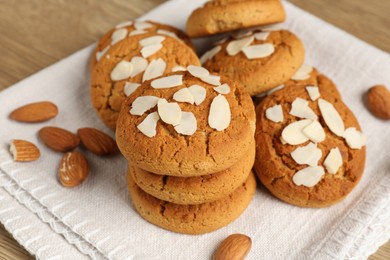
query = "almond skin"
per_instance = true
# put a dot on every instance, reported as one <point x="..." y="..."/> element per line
<point x="74" y="169"/>
<point x="96" y="141"/>
<point x="35" y="112"/>
<point x="24" y="151"/>
<point x="378" y="101"/>
<point x="234" y="247"/>
<point x="58" y="139"/>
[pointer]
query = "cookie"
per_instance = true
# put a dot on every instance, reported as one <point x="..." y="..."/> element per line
<point x="220" y="16"/>
<point x="260" y="60"/>
<point x="130" y="62"/>
<point x="192" y="219"/>
<point x="310" y="151"/>
<point x="180" y="125"/>
<point x="131" y="28"/>
<point x="195" y="190"/>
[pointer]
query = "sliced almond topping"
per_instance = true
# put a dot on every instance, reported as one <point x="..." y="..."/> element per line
<point x="292" y="133"/>
<point x="155" y="69"/>
<point x="130" y="87"/>
<point x="223" y="40"/>
<point x="137" y="32"/>
<point x="139" y="65"/>
<point x="198" y="71"/>
<point x="223" y="89"/>
<point x="210" y="54"/>
<point x="261" y="36"/>
<point x="122" y="70"/>
<point x="139" y="25"/>
<point x="269" y="92"/>
<point x="354" y="138"/>
<point x="149" y="125"/>
<point x="143" y="104"/>
<point x="184" y="95"/>
<point x="154" y="40"/>
<point x="124" y="24"/>
<point x="198" y="92"/>
<point x="314" y="132"/>
<point x="282" y="140"/>
<point x="300" y="108"/>
<point x="271" y="28"/>
<point x="314" y="92"/>
<point x="168" y="33"/>
<point x="259" y="51"/>
<point x="212" y="80"/>
<point x="309" y="176"/>
<point x="303" y="73"/>
<point x="234" y="47"/>
<point x="332" y="118"/>
<point x="220" y="114"/>
<point x="242" y="33"/>
<point x="168" y="82"/>
<point x="170" y="113"/>
<point x="150" y="50"/>
<point x="100" y="54"/>
<point x="274" y="113"/>
<point x="118" y="35"/>
<point x="187" y="125"/>
<point x="308" y="154"/>
<point x="178" y="68"/>
<point x="333" y="161"/>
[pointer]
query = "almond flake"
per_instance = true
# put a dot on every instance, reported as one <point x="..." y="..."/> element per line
<point x="118" y="35"/>
<point x="223" y="40"/>
<point x="309" y="176"/>
<point x="121" y="71"/>
<point x="188" y="124"/>
<point x="143" y="104"/>
<point x="198" y="71"/>
<point x="167" y="33"/>
<point x="282" y="140"/>
<point x="303" y="73"/>
<point x="155" y="69"/>
<point x="184" y="95"/>
<point x="308" y="154"/>
<point x="154" y="40"/>
<point x="139" y="65"/>
<point x="212" y="80"/>
<point x="130" y="87"/>
<point x="241" y="34"/>
<point x="314" y="92"/>
<point x="124" y="24"/>
<point x="178" y="68"/>
<point x="354" y="138"/>
<point x="199" y="93"/>
<point x="168" y="82"/>
<point x="300" y="108"/>
<point x="332" y="118"/>
<point x="314" y="132"/>
<point x="210" y="54"/>
<point x="292" y="133"/>
<point x="269" y="92"/>
<point x="149" y="125"/>
<point x="259" y="51"/>
<point x="261" y="36"/>
<point x="100" y="54"/>
<point x="223" y="89"/>
<point x="137" y="32"/>
<point x="274" y="113"/>
<point x="220" y="114"/>
<point x="170" y="113"/>
<point x="139" y="25"/>
<point x="271" y="28"/>
<point x="150" y="50"/>
<point x="333" y="161"/>
<point x="234" y="47"/>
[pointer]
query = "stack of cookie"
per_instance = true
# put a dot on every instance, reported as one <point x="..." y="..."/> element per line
<point x="189" y="140"/>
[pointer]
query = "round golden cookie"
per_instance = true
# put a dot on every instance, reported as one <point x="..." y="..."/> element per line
<point x="274" y="164"/>
<point x="192" y="219"/>
<point x="129" y="29"/>
<point x="220" y="16"/>
<point x="195" y="190"/>
<point x="107" y="94"/>
<point x="257" y="74"/>
<point x="207" y="149"/>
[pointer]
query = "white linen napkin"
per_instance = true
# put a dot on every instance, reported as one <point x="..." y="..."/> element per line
<point x="97" y="220"/>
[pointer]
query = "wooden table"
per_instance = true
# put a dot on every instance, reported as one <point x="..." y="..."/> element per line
<point x="37" y="33"/>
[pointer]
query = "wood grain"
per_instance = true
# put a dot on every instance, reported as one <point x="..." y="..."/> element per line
<point x="37" y="33"/>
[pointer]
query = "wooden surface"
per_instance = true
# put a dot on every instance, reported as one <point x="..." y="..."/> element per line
<point x="37" y="33"/>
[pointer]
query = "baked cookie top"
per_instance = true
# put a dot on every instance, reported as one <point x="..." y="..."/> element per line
<point x="187" y="123"/>
<point x="310" y="151"/>
<point x="130" y="62"/>
<point x="260" y="60"/>
<point x="220" y="16"/>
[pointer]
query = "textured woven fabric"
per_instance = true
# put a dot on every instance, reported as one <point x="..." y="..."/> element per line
<point x="97" y="220"/>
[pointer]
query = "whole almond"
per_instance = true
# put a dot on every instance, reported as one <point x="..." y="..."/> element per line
<point x="35" y="112"/>
<point x="378" y="101"/>
<point x="234" y="247"/>
<point x="74" y="169"/>
<point x="59" y="139"/>
<point x="24" y="151"/>
<point x="96" y="141"/>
